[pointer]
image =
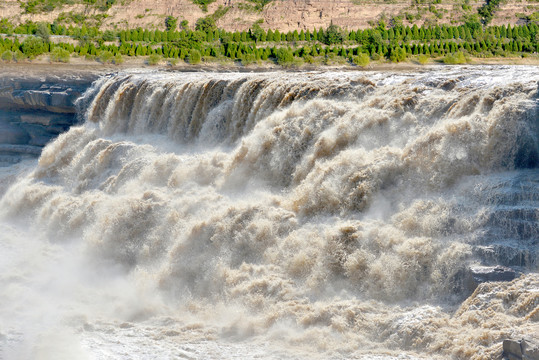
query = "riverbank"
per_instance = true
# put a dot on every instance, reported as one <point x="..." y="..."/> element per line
<point x="44" y="65"/>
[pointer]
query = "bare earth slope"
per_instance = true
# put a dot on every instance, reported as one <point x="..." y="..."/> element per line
<point x="284" y="15"/>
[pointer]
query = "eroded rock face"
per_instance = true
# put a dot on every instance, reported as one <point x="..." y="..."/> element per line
<point x="524" y="349"/>
<point x="469" y="279"/>
<point x="482" y="274"/>
<point x="286" y="15"/>
<point x="45" y="93"/>
<point x="35" y="108"/>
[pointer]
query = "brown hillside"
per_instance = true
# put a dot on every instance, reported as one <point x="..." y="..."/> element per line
<point x="284" y="15"/>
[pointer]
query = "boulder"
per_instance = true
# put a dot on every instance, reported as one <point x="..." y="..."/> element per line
<point x="524" y="349"/>
<point x="530" y="349"/>
<point x="512" y="349"/>
<point x="480" y="274"/>
<point x="492" y="273"/>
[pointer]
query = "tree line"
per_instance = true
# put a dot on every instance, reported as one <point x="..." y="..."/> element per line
<point x="207" y="42"/>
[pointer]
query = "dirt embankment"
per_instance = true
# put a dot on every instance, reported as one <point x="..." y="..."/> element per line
<point x="284" y="15"/>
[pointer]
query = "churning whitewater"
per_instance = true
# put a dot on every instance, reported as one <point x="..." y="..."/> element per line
<point x="278" y="215"/>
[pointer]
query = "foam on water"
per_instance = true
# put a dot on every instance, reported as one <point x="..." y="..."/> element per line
<point x="277" y="215"/>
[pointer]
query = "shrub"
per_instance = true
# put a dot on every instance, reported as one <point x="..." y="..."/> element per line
<point x="194" y="56"/>
<point x="7" y="55"/>
<point x="118" y="59"/>
<point x="309" y="59"/>
<point x="154" y="59"/>
<point x="206" y="24"/>
<point x="423" y="59"/>
<point x="33" y="46"/>
<point x="284" y="56"/>
<point x="203" y="4"/>
<point x="105" y="57"/>
<point x="455" y="58"/>
<point x="108" y="36"/>
<point x="248" y="59"/>
<point x="361" y="59"/>
<point x="171" y="23"/>
<point x="60" y="55"/>
<point x="487" y="10"/>
<point x="19" y="56"/>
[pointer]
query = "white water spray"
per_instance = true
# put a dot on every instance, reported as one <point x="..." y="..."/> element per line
<point x="277" y="215"/>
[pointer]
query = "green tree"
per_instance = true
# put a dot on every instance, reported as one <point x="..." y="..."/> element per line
<point x="194" y="56"/>
<point x="257" y="32"/>
<point x="269" y="36"/>
<point x="60" y="55"/>
<point x="277" y="36"/>
<point x="333" y="35"/>
<point x="284" y="56"/>
<point x="32" y="46"/>
<point x="171" y="23"/>
<point x="43" y="31"/>
<point x="134" y="35"/>
<point x="397" y="55"/>
<point x="206" y="24"/>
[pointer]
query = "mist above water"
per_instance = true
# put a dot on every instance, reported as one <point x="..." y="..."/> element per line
<point x="333" y="213"/>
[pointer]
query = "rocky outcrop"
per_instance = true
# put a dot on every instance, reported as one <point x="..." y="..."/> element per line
<point x="35" y="109"/>
<point x="480" y="274"/>
<point x="48" y="94"/>
<point x="469" y="279"/>
<point x="520" y="349"/>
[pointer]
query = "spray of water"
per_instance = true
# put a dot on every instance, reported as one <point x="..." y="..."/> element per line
<point x="333" y="213"/>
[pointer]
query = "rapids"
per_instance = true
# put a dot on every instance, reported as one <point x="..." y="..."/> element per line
<point x="277" y="215"/>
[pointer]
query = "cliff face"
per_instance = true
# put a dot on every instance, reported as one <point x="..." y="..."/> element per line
<point x="35" y="109"/>
<point x="284" y="15"/>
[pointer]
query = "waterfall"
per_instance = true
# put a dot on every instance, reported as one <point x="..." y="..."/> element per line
<point x="335" y="212"/>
